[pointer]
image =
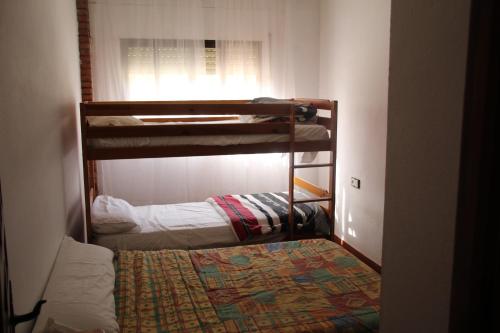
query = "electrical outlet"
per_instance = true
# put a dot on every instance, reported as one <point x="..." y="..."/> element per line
<point x="356" y="183"/>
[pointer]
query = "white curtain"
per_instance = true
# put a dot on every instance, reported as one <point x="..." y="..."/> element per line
<point x="185" y="50"/>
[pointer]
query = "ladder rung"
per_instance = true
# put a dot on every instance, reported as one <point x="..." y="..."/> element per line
<point x="313" y="200"/>
<point x="299" y="166"/>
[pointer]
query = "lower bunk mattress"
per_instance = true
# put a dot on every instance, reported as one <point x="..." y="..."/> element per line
<point x="301" y="286"/>
<point x="226" y="220"/>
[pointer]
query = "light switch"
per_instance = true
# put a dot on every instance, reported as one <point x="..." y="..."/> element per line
<point x="356" y="183"/>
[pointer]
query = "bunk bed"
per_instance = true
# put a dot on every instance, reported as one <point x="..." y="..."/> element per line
<point x="202" y="128"/>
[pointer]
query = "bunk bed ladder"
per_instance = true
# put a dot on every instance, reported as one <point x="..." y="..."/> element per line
<point x="291" y="173"/>
<point x="332" y="165"/>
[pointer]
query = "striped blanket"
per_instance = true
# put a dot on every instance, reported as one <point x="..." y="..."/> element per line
<point x="262" y="213"/>
<point x="303" y="286"/>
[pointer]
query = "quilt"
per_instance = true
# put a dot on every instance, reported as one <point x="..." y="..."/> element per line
<point x="301" y="286"/>
<point x="262" y="213"/>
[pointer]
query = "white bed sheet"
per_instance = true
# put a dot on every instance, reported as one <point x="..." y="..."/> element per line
<point x="174" y="226"/>
<point x="302" y="133"/>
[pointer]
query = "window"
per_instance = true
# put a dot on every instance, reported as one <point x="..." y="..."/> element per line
<point x="191" y="69"/>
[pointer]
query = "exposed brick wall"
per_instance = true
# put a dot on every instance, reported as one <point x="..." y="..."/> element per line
<point x="84" y="44"/>
<point x="84" y="41"/>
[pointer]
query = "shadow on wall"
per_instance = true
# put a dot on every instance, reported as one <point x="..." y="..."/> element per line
<point x="71" y="166"/>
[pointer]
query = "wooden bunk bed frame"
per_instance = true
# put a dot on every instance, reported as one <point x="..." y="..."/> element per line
<point x="209" y="111"/>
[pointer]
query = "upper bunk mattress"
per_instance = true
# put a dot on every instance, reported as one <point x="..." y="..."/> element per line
<point x="303" y="133"/>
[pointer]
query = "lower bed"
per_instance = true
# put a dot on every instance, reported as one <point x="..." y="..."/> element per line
<point x="173" y="226"/>
<point x="212" y="223"/>
<point x="302" y="286"/>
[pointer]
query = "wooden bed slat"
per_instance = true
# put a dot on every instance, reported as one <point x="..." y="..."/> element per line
<point x="313" y="200"/>
<point x="310" y="187"/>
<point x="323" y="104"/>
<point x="189" y="119"/>
<point x="198" y="150"/>
<point x="323" y="121"/>
<point x="318" y="165"/>
<point x="196" y="101"/>
<point x="187" y="130"/>
<point x="162" y="108"/>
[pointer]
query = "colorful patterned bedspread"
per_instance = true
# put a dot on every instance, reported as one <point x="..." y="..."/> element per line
<point x="262" y="213"/>
<point x="302" y="286"/>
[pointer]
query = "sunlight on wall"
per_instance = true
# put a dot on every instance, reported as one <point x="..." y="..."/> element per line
<point x="350" y="229"/>
<point x="342" y="236"/>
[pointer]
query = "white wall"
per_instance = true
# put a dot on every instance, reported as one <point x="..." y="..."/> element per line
<point x="354" y="70"/>
<point x="426" y="94"/>
<point x="39" y="169"/>
<point x="305" y="33"/>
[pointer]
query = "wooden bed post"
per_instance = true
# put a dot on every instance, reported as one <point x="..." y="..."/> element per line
<point x="85" y="162"/>
<point x="333" y="167"/>
<point x="291" y="172"/>
<point x="84" y="47"/>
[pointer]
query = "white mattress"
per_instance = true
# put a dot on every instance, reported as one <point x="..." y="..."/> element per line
<point x="302" y="133"/>
<point x="174" y="226"/>
<point x="189" y="225"/>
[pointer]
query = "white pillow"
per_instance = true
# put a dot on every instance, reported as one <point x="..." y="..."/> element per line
<point x="79" y="292"/>
<point x="114" y="121"/>
<point x="111" y="215"/>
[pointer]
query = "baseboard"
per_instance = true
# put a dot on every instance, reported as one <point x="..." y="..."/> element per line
<point x="376" y="267"/>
